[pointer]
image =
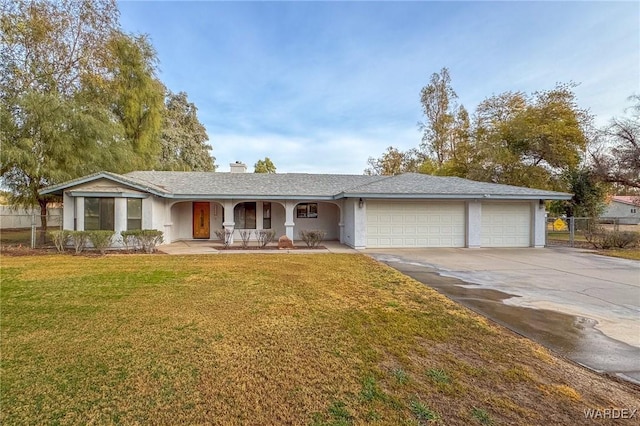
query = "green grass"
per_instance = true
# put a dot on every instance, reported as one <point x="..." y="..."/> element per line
<point x="263" y="339"/>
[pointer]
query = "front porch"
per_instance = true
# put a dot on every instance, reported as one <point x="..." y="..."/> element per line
<point x="204" y="219"/>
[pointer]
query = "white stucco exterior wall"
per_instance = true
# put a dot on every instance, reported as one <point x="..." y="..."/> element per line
<point x="68" y="211"/>
<point x="120" y="218"/>
<point x="473" y="224"/>
<point x="355" y="223"/>
<point x="79" y="213"/>
<point x="348" y="236"/>
<point x="539" y="219"/>
<point x="327" y="220"/>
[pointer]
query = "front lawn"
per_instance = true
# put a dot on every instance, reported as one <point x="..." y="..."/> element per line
<point x="266" y="339"/>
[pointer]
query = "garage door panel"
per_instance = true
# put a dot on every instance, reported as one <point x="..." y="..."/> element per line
<point x="506" y="225"/>
<point x="416" y="224"/>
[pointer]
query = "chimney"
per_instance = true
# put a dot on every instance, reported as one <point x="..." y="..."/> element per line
<point x="238" y="167"/>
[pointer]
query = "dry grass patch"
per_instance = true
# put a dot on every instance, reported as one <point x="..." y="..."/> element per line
<point x="632" y="253"/>
<point x="266" y="339"/>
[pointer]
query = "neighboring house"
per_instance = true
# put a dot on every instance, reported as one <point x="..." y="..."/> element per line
<point x="626" y="209"/>
<point x="408" y="210"/>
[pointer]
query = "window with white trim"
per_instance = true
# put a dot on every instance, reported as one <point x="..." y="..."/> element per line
<point x="98" y="214"/>
<point x="244" y="215"/>
<point x="134" y="214"/>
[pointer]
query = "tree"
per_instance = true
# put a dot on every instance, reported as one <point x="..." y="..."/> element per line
<point x="52" y="47"/>
<point x="136" y="96"/>
<point x="588" y="194"/>
<point x="436" y="99"/>
<point x="394" y="162"/>
<point x="264" y="166"/>
<point x="530" y="140"/>
<point x="49" y="132"/>
<point x="48" y="139"/>
<point x="184" y="138"/>
<point x="617" y="160"/>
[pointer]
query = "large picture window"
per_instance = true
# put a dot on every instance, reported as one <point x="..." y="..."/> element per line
<point x="244" y="215"/>
<point x="134" y="214"/>
<point x="98" y="214"/>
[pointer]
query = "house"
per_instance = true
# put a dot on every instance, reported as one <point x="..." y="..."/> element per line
<point x="408" y="210"/>
<point x="624" y="209"/>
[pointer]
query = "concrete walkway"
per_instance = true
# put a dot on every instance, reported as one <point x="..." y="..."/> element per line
<point x="213" y="247"/>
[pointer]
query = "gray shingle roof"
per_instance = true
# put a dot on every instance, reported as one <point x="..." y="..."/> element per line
<point x="302" y="185"/>
<point x="419" y="184"/>
<point x="252" y="184"/>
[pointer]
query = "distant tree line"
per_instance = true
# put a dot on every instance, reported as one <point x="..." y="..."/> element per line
<point x="79" y="95"/>
<point x="541" y="140"/>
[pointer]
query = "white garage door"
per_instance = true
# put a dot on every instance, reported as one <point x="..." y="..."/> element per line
<point x="506" y="225"/>
<point x="415" y="224"/>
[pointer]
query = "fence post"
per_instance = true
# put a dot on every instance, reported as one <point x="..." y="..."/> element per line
<point x="33" y="230"/>
<point x="572" y="230"/>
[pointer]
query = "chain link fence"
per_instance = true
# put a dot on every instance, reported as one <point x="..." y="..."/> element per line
<point x="28" y="230"/>
<point x="570" y="231"/>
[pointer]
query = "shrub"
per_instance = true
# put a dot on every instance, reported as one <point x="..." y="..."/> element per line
<point x="149" y="239"/>
<point x="60" y="239"/>
<point x="224" y="235"/>
<point x="604" y="239"/>
<point x="264" y="237"/>
<point x="101" y="240"/>
<point x="79" y="240"/>
<point x="312" y="238"/>
<point x="130" y="240"/>
<point x="245" y="236"/>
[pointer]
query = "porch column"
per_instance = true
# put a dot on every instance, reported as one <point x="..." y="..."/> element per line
<point x="68" y="212"/>
<point x="474" y="223"/>
<point x="259" y="216"/>
<point x="79" y="213"/>
<point x="289" y="208"/>
<point x="120" y="218"/>
<point x="341" y="222"/>
<point x="168" y="222"/>
<point x="228" y="223"/>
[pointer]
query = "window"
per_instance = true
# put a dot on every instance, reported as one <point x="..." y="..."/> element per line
<point x="308" y="210"/>
<point x="266" y="215"/>
<point x="98" y="214"/>
<point x="134" y="214"/>
<point x="244" y="215"/>
<point x="633" y="210"/>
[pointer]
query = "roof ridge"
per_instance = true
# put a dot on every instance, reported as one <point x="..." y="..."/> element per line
<point x="380" y="178"/>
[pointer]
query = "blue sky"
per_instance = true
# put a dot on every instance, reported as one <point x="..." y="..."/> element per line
<point x="321" y="86"/>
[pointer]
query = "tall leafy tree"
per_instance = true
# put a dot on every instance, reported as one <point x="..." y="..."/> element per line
<point x="588" y="194"/>
<point x="530" y="140"/>
<point x="264" y="166"/>
<point x="49" y="132"/>
<point x="136" y="96"/>
<point x="184" y="138"/>
<point x="437" y="99"/>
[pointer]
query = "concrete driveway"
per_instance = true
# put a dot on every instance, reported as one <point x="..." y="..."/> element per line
<point x="579" y="304"/>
